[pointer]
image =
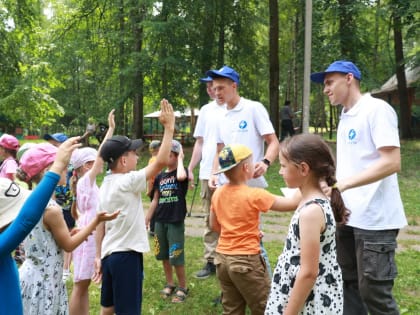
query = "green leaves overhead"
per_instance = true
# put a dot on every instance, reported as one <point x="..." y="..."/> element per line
<point x="63" y="61"/>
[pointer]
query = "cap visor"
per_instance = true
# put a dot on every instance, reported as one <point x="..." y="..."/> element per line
<point x="318" y="77"/>
<point x="205" y="80"/>
<point x="222" y="170"/>
<point x="135" y="144"/>
<point x="216" y="74"/>
<point x="47" y="137"/>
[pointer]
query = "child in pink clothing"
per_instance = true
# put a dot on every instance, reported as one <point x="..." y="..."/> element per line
<point x="8" y="148"/>
<point x="87" y="165"/>
<point x="87" y="200"/>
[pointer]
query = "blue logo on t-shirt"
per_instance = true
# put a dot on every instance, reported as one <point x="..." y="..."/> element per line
<point x="352" y="134"/>
<point x="243" y="124"/>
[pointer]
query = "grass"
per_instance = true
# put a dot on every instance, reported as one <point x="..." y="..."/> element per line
<point x="202" y="292"/>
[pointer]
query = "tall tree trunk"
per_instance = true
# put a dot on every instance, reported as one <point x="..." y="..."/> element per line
<point x="405" y="115"/>
<point x="120" y="113"/>
<point x="207" y="61"/>
<point x="221" y="39"/>
<point x="376" y="37"/>
<point x="347" y="30"/>
<point x="296" y="100"/>
<point x="138" y="79"/>
<point x="274" y="64"/>
<point x="307" y="66"/>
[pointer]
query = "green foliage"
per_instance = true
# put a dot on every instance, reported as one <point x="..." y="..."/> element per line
<point x="128" y="54"/>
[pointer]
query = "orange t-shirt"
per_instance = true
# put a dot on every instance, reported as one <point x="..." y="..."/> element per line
<point x="237" y="209"/>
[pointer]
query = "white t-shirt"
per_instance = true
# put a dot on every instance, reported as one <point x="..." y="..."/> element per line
<point x="367" y="126"/>
<point x="128" y="231"/>
<point x="206" y="128"/>
<point x="246" y="124"/>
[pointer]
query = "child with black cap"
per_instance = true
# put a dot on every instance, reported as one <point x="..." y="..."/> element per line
<point x="235" y="214"/>
<point x="121" y="244"/>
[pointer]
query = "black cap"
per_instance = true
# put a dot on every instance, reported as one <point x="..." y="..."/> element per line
<point x="116" y="146"/>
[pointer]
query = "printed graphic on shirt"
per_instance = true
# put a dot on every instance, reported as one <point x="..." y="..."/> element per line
<point x="242" y="125"/>
<point x="352" y="135"/>
<point x="167" y="188"/>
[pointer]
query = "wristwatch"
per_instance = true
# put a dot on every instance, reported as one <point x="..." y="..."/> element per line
<point x="266" y="162"/>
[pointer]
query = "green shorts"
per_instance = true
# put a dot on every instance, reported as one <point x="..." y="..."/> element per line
<point x="169" y="242"/>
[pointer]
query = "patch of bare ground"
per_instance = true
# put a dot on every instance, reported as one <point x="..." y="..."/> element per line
<point x="275" y="225"/>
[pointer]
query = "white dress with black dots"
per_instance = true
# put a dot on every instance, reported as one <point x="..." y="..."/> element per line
<point x="326" y="296"/>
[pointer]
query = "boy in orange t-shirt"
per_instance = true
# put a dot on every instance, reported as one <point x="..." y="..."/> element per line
<point x="235" y="215"/>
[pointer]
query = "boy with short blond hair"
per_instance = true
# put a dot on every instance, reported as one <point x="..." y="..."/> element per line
<point x="235" y="214"/>
<point x="121" y="244"/>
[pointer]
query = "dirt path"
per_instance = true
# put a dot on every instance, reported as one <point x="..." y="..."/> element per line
<point x="275" y="227"/>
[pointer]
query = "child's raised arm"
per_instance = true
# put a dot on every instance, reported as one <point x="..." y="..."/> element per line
<point x="98" y="165"/>
<point x="181" y="174"/>
<point x="167" y="119"/>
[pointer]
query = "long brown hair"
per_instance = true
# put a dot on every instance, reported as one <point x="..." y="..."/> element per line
<point x="315" y="152"/>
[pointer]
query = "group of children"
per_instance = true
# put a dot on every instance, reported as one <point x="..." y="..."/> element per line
<point x="307" y="277"/>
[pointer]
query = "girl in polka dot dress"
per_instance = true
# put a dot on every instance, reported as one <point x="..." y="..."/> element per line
<point x="307" y="278"/>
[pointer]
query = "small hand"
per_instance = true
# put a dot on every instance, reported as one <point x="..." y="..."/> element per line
<point x="191" y="178"/>
<point x="105" y="216"/>
<point x="213" y="181"/>
<point x="97" y="274"/>
<point x="260" y="169"/>
<point x="167" y="116"/>
<point x="181" y="154"/>
<point x="111" y="119"/>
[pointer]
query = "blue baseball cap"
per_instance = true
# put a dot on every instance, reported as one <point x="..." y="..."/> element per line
<point x="341" y="66"/>
<point x="206" y="79"/>
<point x="224" y="72"/>
<point x="59" y="137"/>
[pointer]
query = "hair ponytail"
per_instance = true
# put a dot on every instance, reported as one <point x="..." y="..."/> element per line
<point x="341" y="213"/>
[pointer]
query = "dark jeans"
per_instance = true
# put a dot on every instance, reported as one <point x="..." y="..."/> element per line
<point x="367" y="260"/>
<point x="286" y="129"/>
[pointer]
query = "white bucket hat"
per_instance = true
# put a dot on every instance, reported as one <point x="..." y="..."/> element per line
<point x="12" y="198"/>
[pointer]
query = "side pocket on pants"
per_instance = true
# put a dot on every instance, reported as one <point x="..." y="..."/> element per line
<point x="379" y="261"/>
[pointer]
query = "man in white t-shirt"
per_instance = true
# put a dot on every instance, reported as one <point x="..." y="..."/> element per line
<point x="204" y="151"/>
<point x="368" y="159"/>
<point x="245" y="122"/>
<point x="120" y="245"/>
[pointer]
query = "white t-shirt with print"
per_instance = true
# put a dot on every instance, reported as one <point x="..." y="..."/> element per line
<point x="128" y="231"/>
<point x="367" y="126"/>
<point x="246" y="124"/>
<point x="206" y="128"/>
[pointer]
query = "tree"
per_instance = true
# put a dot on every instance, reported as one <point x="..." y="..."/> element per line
<point x="274" y="64"/>
<point x="405" y="114"/>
